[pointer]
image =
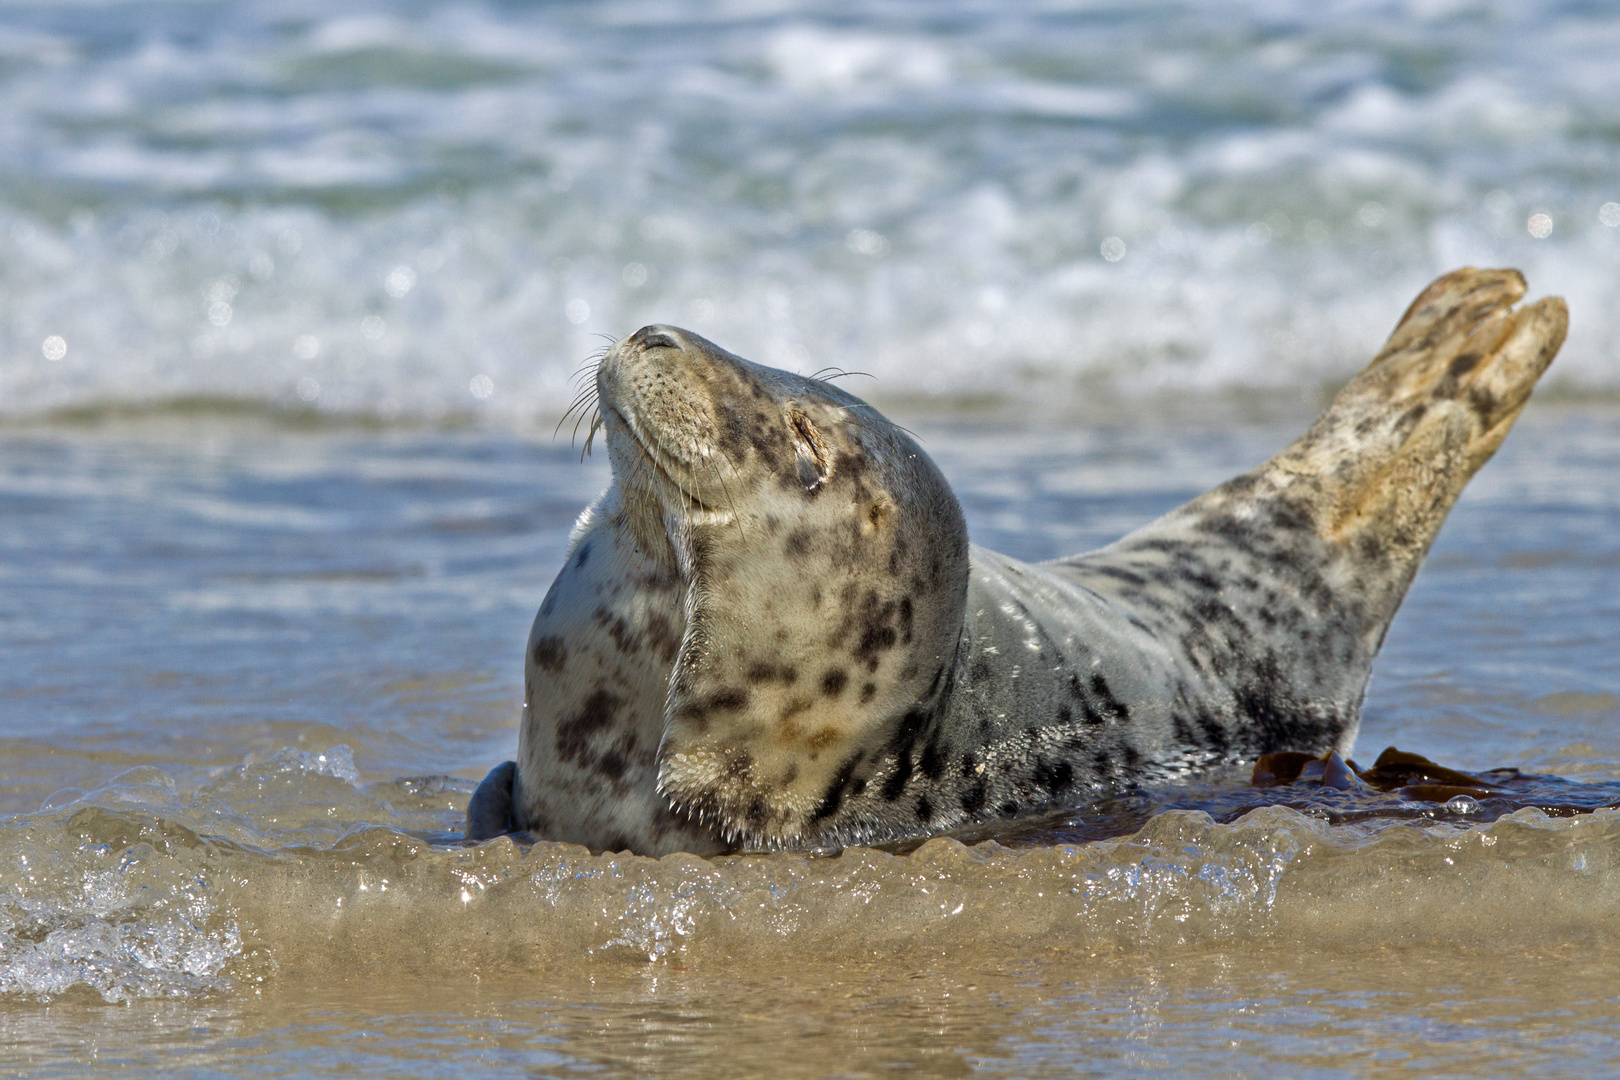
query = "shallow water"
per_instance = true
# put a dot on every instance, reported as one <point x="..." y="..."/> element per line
<point x="226" y="648"/>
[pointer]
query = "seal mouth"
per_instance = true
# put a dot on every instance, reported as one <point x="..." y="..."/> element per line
<point x="664" y="464"/>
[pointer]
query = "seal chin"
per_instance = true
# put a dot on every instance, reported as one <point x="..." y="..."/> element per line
<point x="661" y="466"/>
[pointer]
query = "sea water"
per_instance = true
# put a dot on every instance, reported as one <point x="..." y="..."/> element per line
<point x="290" y="300"/>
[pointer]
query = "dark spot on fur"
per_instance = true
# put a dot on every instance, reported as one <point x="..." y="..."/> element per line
<point x="868" y="692"/>
<point x="932" y="763"/>
<point x="662" y="635"/>
<point x="896" y="783"/>
<point x="785" y="674"/>
<point x="598" y="711"/>
<point x="583" y="556"/>
<point x="1370" y="546"/>
<point x="727" y="697"/>
<point x="611" y="765"/>
<point x="1055" y="777"/>
<point x="1109" y="703"/>
<point x="550" y="654"/>
<point x="925" y="809"/>
<point x="834" y="796"/>
<point x="833" y="683"/>
<point x="731" y="429"/>
<point x="798" y="543"/>
<point x="627" y="640"/>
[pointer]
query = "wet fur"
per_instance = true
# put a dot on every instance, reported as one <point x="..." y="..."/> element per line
<point x="771" y="631"/>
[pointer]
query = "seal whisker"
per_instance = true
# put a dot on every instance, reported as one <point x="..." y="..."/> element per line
<point x="837" y="373"/>
<point x="731" y="502"/>
<point x="583" y="402"/>
<point x="590" y="434"/>
<point x="875" y="415"/>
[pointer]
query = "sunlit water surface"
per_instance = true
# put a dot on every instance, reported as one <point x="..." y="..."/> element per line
<point x="251" y="675"/>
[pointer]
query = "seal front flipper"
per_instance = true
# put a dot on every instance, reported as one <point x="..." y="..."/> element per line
<point x="489" y="811"/>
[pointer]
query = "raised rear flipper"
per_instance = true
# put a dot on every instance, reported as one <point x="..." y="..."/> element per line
<point x="1282" y="582"/>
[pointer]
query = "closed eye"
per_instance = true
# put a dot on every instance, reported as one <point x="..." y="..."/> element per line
<point x="813" y="465"/>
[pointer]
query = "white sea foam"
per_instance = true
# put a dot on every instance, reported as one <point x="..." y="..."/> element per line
<point x="419" y="211"/>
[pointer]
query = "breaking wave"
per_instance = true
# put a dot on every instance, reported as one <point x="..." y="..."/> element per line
<point x="288" y="869"/>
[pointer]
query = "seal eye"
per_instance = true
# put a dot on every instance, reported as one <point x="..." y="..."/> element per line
<point x="812" y="453"/>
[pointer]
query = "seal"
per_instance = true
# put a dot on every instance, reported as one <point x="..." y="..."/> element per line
<point x="771" y="631"/>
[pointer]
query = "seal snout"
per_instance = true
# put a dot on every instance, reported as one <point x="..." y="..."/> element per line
<point x="655" y="337"/>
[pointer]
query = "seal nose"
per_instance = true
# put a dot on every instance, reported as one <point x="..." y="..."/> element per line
<point x="654" y="337"/>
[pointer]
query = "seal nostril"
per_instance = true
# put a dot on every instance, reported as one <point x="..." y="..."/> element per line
<point x="648" y="338"/>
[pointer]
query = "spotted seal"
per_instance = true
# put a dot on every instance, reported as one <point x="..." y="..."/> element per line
<point x="771" y="631"/>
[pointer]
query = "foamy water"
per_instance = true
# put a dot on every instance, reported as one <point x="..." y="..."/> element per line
<point x="414" y="211"/>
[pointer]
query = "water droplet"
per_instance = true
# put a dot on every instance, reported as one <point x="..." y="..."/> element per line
<point x="373" y="327"/>
<point x="1609" y="214"/>
<point x="400" y="280"/>
<point x="1113" y="249"/>
<point x="307" y="347"/>
<point x="577" y="311"/>
<point x="1371" y="215"/>
<point x="219" y="313"/>
<point x="874" y="245"/>
<point x="54" y="348"/>
<point x="481" y="386"/>
<point x="308" y="388"/>
<point x="1540" y="226"/>
<point x="634" y="275"/>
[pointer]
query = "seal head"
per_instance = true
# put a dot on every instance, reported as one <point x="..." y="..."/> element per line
<point x="814" y="560"/>
<point x="824" y="560"/>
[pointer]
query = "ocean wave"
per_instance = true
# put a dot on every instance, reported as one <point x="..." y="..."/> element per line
<point x="429" y="213"/>
<point x="286" y="869"/>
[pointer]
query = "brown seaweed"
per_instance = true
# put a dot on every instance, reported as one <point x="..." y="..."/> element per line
<point x="1415" y="778"/>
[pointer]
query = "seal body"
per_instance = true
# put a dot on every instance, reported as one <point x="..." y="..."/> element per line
<point x="772" y="631"/>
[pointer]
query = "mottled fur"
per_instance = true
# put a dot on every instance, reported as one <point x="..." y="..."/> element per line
<point x="772" y="631"/>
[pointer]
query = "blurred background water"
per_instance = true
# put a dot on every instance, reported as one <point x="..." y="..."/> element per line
<point x="290" y="299"/>
<point x="421" y="209"/>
